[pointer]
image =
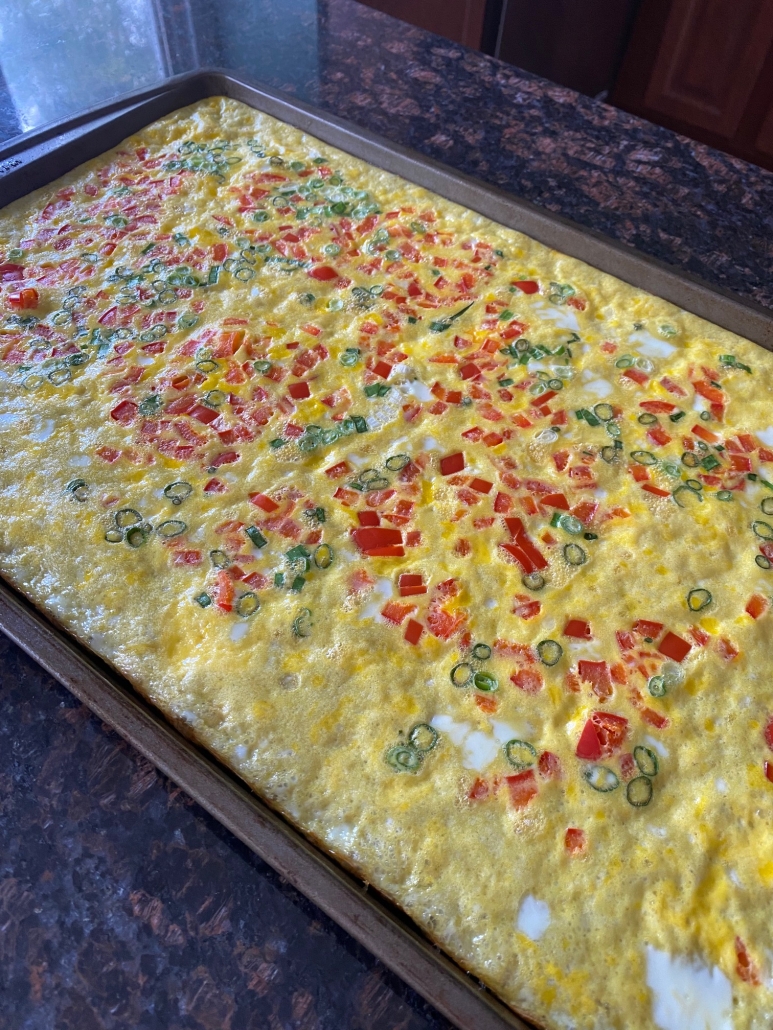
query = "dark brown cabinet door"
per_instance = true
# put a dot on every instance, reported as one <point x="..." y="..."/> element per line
<point x="704" y="68"/>
<point x="458" y="20"/>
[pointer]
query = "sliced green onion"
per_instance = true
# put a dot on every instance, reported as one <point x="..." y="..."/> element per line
<point x="207" y="365"/>
<point x="482" y="652"/>
<point x="604" y="411"/>
<point x="247" y="604"/>
<point x="763" y="530"/>
<point x="262" y="366"/>
<point x="639" y="791"/>
<point x="204" y="600"/>
<point x="533" y="581"/>
<point x="686" y="497"/>
<point x="699" y="599"/>
<point x="646" y="760"/>
<point x="723" y="495"/>
<point x="171" y="528"/>
<point x="574" y="554"/>
<point x="709" y="463"/>
<point x="644" y="457"/>
<point x="657" y="686"/>
<point x="78" y="488"/>
<point x="760" y="559"/>
<point x="396" y="462"/>
<point x="256" y="536"/>
<point x="767" y="506"/>
<point x="115" y="536"/>
<point x="485" y="681"/>
<point x="127" y="517"/>
<point x="549" y="651"/>
<point x="404" y="758"/>
<point x="214" y="398"/>
<point x="609" y="454"/>
<point x="324" y="556"/>
<point x="647" y="419"/>
<point x="691" y="459"/>
<point x="520" y="754"/>
<point x="423" y="737"/>
<point x="219" y="559"/>
<point x="601" y="778"/>
<point x="298" y="584"/>
<point x="302" y="623"/>
<point x="554" y="384"/>
<point x="624" y="362"/>
<point x="137" y="535"/>
<point x="462" y="674"/>
<point x="570" y="523"/>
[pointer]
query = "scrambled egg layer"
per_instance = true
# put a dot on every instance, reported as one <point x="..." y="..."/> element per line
<point x="456" y="549"/>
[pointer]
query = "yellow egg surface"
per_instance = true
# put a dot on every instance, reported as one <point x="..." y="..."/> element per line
<point x="455" y="548"/>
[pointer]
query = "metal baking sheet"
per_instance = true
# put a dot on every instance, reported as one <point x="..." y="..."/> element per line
<point x="39" y="158"/>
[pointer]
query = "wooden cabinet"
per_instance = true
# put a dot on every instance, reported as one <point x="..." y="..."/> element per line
<point x="704" y="68"/>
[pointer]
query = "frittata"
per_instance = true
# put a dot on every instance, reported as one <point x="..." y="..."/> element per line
<point x="455" y="548"/>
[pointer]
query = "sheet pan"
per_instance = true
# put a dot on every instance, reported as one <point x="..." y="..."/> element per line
<point x="42" y="156"/>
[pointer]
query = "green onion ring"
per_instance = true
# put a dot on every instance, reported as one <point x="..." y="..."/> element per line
<point x="723" y="495"/>
<point x="171" y="528"/>
<point x="699" y="599"/>
<point x="219" y="559"/>
<point x="302" y="623"/>
<point x="647" y="419"/>
<point x="324" y="556"/>
<point x="601" y="778"/>
<point x="644" y="457"/>
<point x="570" y="523"/>
<point x="533" y="581"/>
<point x="763" y="530"/>
<point x="604" y="411"/>
<point x="574" y="554"/>
<point x="462" y="674"/>
<point x="639" y="791"/>
<point x="486" y="682"/>
<point x="404" y="758"/>
<point x="262" y="366"/>
<point x="767" y="506"/>
<point x="396" y="462"/>
<point x="550" y="652"/>
<point x="126" y="517"/>
<point x="520" y="754"/>
<point x="685" y="495"/>
<point x="136" y="536"/>
<point x="657" y="686"/>
<point x="763" y="562"/>
<point x="178" y="492"/>
<point x="646" y="760"/>
<point x="609" y="454"/>
<point x="114" y="536"/>
<point x="482" y="652"/>
<point x="247" y="604"/>
<point x="423" y="737"/>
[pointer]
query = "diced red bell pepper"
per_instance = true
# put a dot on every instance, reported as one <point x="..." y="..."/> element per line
<point x="528" y="680"/>
<point x="756" y="606"/>
<point x="769" y="733"/>
<point x="711" y="393"/>
<point x="658" y="407"/>
<point x="323" y="273"/>
<point x="452" y="463"/>
<point x="395" y="613"/>
<point x="125" y="412"/>
<point x="336" y="471"/>
<point x="745" y="966"/>
<point x="727" y="649"/>
<point x="479" y="790"/>
<point x="223" y="591"/>
<point x="481" y="486"/>
<point x="636" y="375"/>
<point x="522" y="541"/>
<point x="549" y="766"/>
<point x="606" y="735"/>
<point x="369" y="518"/>
<point x="555" y="501"/>
<point x="502" y="503"/>
<point x="203" y="414"/>
<point x="656" y="490"/>
<point x="11" y="273"/>
<point x="647" y="628"/>
<point x="469" y="371"/>
<point x="382" y="369"/>
<point x="214" y="486"/>
<point x="575" y="841"/>
<point x="578" y="628"/>
<point x="674" y="647"/>
<point x="264" y="502"/>
<point x="522" y="787"/>
<point x="369" y="538"/>
<point x="413" y="631"/>
<point x="740" y="463"/>
<point x="526" y="607"/>
<point x="24" y="299"/>
<point x="526" y="285"/>
<point x="299" y="391"/>
<point x="659" y="436"/>
<point x="673" y="387"/>
<point x="597" y="674"/>
<point x="705" y="434"/>
<point x="589" y="745"/>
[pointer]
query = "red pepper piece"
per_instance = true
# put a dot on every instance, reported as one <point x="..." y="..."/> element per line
<point x="578" y="628"/>
<point x="323" y="273"/>
<point x="264" y="502"/>
<point x="647" y="628"/>
<point x="636" y="375"/>
<point x="555" y="501"/>
<point x="521" y="557"/>
<point x="469" y="371"/>
<point x="395" y="613"/>
<point x="526" y="285"/>
<point x="336" y="471"/>
<point x="481" y="486"/>
<point x="369" y="518"/>
<point x="611" y="731"/>
<point x="597" y="674"/>
<point x="658" y="407"/>
<point x="413" y="631"/>
<point x="452" y="463"/>
<point x="522" y="787"/>
<point x="395" y="551"/>
<point x="655" y="490"/>
<point x="575" y="841"/>
<point x="409" y="579"/>
<point x="767" y="768"/>
<point x="705" y="434"/>
<point x="203" y="414"/>
<point x="711" y="393"/>
<point x="658" y="436"/>
<point x="746" y="967"/>
<point x="11" y="273"/>
<point x="371" y="538"/>
<point x="756" y="606"/>
<point x="24" y="299"/>
<point x="124" y="412"/>
<point x="549" y="766"/>
<point x="674" y="647"/>
<point x="223" y="591"/>
<point x="589" y="745"/>
<point x="727" y="650"/>
<point x="299" y="391"/>
<point x="382" y="369"/>
<point x="528" y="680"/>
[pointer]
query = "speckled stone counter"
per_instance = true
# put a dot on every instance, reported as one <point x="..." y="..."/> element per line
<point x="122" y="904"/>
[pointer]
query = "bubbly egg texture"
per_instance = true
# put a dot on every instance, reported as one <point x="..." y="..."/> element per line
<point x="455" y="548"/>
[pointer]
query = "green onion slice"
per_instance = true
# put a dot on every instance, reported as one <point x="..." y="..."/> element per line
<point x="171" y="528"/>
<point x="601" y="778"/>
<point x="549" y="651"/>
<point x="486" y="682"/>
<point x="533" y="581"/>
<point x="763" y="530"/>
<point x="302" y="623"/>
<point x="647" y="419"/>
<point x="262" y="366"/>
<point x="247" y="604"/>
<point x="350" y="357"/>
<point x="219" y="559"/>
<point x="462" y="674"/>
<point x="575" y="555"/>
<point x="763" y="562"/>
<point x="657" y="686"/>
<point x="691" y="459"/>
<point x="644" y="457"/>
<point x="256" y="536"/>
<point x="520" y="754"/>
<point x="204" y="600"/>
<point x="115" y="536"/>
<point x="127" y="517"/>
<point x="767" y="506"/>
<point x="699" y="599"/>
<point x="423" y="737"/>
<point x="723" y="495"/>
<point x="646" y="760"/>
<point x="686" y="497"/>
<point x="214" y="398"/>
<point x="137" y="535"/>
<point x="482" y="652"/>
<point x="639" y="791"/>
<point x="324" y="556"/>
<point x="604" y="411"/>
<point x="624" y="362"/>
<point x="570" y="523"/>
<point x="396" y="462"/>
<point x="609" y="454"/>
<point x="404" y="758"/>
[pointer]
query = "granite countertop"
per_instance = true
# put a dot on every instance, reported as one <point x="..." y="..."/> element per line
<point x="122" y="904"/>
